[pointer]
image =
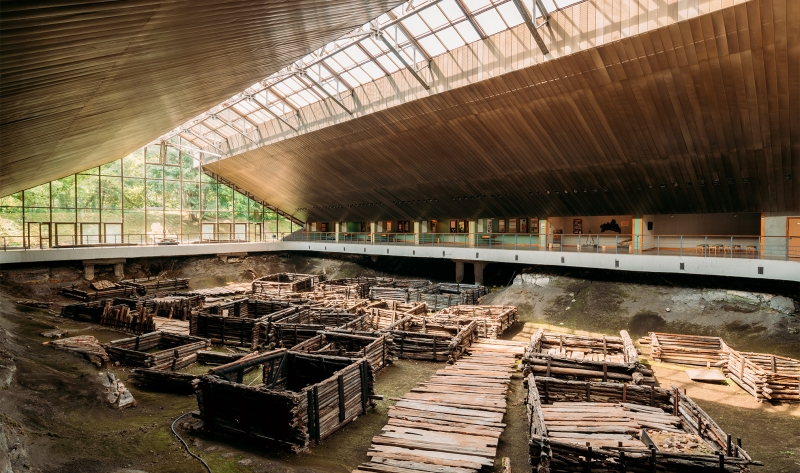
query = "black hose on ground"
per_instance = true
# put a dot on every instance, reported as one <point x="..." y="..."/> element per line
<point x="186" y="445"/>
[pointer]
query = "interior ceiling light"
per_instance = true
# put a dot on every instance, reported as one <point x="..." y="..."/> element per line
<point x="731" y="180"/>
<point x="638" y="188"/>
<point x="787" y="177"/>
<point x="746" y="180"/>
<point x="688" y="183"/>
<point x="605" y="189"/>
<point x="702" y="182"/>
<point x="663" y="186"/>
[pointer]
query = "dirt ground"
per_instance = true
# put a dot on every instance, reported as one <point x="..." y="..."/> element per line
<point x="54" y="419"/>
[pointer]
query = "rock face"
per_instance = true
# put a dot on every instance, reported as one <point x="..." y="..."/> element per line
<point x="116" y="392"/>
<point x="531" y="280"/>
<point x="782" y="304"/>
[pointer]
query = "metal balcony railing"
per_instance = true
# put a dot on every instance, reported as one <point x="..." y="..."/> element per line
<point x="709" y="246"/>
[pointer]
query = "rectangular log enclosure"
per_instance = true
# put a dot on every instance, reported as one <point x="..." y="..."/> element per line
<point x="606" y="358"/>
<point x="303" y="397"/>
<point x="283" y="283"/>
<point x="766" y="377"/>
<point x="688" y="349"/>
<point x="376" y="348"/>
<point x="597" y="426"/>
<point x="492" y="320"/>
<point x="173" y="351"/>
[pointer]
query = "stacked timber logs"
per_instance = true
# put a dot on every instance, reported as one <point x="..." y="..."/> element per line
<point x="114" y="291"/>
<point x="162" y="380"/>
<point x="303" y="325"/>
<point x="492" y="320"/>
<point x="375" y="348"/>
<point x="581" y="357"/>
<point x="121" y="317"/>
<point x="412" y="340"/>
<point x="764" y="376"/>
<point x="442" y="295"/>
<point x="222" y="291"/>
<point x="284" y="283"/>
<point x="84" y="312"/>
<point x="398" y="290"/>
<point x="174" y="351"/>
<point x="303" y="397"/>
<point x="608" y="427"/>
<point x="174" y="306"/>
<point x="223" y="330"/>
<point x="157" y="283"/>
<point x="688" y="349"/>
<point x="562" y="390"/>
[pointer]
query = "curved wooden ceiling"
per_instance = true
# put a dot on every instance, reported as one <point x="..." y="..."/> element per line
<point x="701" y="116"/>
<point x="84" y="83"/>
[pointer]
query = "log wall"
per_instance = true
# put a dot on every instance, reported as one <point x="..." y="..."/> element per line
<point x="560" y="454"/>
<point x="568" y="356"/>
<point x="304" y="398"/>
<point x="176" y="351"/>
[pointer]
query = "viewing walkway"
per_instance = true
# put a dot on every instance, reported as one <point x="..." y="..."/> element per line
<point x="452" y="422"/>
<point x="774" y="258"/>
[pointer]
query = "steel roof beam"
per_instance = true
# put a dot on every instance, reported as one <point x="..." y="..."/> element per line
<point x="399" y="56"/>
<point x="471" y="18"/>
<point x="271" y="113"/>
<point x="526" y="16"/>
<point x="304" y="76"/>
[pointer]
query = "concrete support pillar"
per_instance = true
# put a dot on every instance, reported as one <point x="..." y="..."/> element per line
<point x="119" y="270"/>
<point x="479" y="266"/>
<point x="88" y="272"/>
<point x="472" y="228"/>
<point x="337" y="227"/>
<point x="459" y="271"/>
<point x="417" y="231"/>
<point x="372" y="230"/>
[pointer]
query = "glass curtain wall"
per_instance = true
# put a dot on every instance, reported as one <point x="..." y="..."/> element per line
<point x="155" y="195"/>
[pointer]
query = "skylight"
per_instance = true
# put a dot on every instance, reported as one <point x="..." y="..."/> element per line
<point x="412" y="34"/>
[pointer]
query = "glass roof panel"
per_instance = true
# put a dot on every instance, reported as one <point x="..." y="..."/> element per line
<point x="475" y="5"/>
<point x="451" y="10"/>
<point x="416" y="26"/>
<point x="433" y="17"/>
<point x="373" y="70"/>
<point x="435" y="26"/>
<point x="467" y="32"/>
<point x="490" y="21"/>
<point x="450" y="38"/>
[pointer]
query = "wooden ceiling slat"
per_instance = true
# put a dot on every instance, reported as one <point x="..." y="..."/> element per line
<point x="127" y="72"/>
<point x="705" y="98"/>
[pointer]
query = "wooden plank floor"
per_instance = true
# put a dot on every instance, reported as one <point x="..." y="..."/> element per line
<point x="172" y="325"/>
<point x="452" y="422"/>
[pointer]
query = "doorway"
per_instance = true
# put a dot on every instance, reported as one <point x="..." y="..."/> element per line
<point x="38" y="235"/>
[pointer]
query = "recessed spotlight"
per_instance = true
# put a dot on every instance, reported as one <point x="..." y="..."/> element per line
<point x="638" y="187"/>
<point x="787" y="177"/>
<point x="675" y="184"/>
<point x="650" y="186"/>
<point x="731" y="180"/>
<point x="746" y="180"/>
<point x="716" y="182"/>
<point x="584" y="190"/>
<point x="663" y="186"/>
<point x="594" y="190"/>
<point x="605" y="189"/>
<point x="702" y="182"/>
<point x="688" y="183"/>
